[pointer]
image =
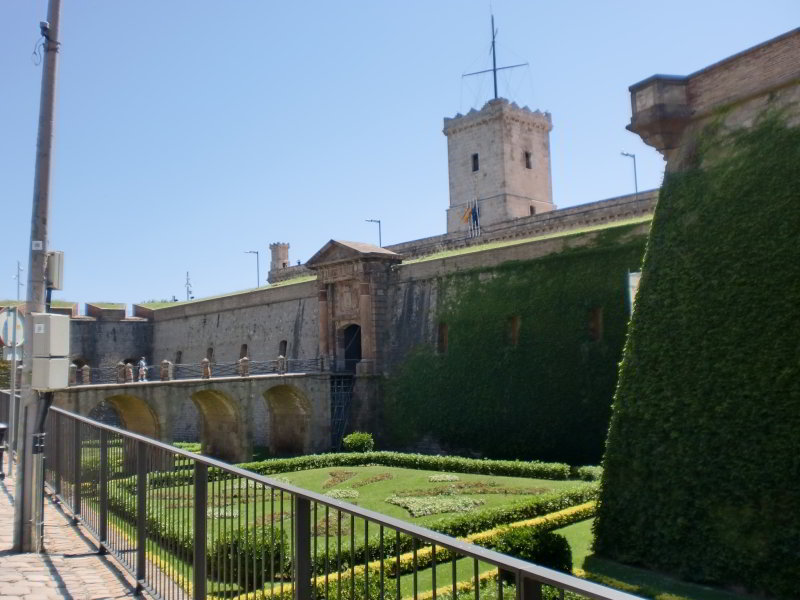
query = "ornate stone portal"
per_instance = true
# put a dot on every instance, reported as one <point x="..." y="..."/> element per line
<point x="352" y="279"/>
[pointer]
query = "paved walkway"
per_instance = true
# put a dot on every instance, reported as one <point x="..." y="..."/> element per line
<point x="71" y="569"/>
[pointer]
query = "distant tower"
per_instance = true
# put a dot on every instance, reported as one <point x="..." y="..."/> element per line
<point x="279" y="259"/>
<point x="499" y="155"/>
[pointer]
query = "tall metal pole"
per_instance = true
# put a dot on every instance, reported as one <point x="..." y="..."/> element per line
<point x="635" y="176"/>
<point x="380" y="237"/>
<point x="36" y="292"/>
<point x="258" y="266"/>
<point x="14" y="406"/>
<point x="494" y="60"/>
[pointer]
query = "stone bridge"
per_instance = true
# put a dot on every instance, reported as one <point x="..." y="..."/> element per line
<point x="287" y="413"/>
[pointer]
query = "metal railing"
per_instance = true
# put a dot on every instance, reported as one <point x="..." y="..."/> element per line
<point x="112" y="375"/>
<point x="187" y="526"/>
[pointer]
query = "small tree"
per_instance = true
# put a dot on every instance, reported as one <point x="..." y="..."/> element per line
<point x="358" y="441"/>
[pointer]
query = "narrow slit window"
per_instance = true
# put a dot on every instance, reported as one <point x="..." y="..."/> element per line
<point x="514" y="328"/>
<point x="243" y="351"/>
<point x="441" y="339"/>
<point x="533" y="210"/>
<point x="210" y="354"/>
<point x="596" y="323"/>
<point x="282" y="348"/>
<point x="178" y="357"/>
<point x="528" y="161"/>
<point x="475" y="162"/>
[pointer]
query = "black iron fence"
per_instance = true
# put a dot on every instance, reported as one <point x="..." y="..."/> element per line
<point x="187" y="526"/>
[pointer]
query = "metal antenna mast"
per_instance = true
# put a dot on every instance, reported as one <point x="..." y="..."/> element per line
<point x="188" y="286"/>
<point x="494" y="68"/>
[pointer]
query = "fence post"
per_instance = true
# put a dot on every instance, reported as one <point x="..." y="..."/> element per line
<point x="57" y="448"/>
<point x="86" y="374"/>
<point x="302" y="548"/>
<point x="200" y="508"/>
<point x="76" y="455"/>
<point x="531" y="589"/>
<point x="141" y="513"/>
<point x="103" y="489"/>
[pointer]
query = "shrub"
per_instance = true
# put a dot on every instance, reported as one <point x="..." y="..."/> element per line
<point x="358" y="441"/>
<point x="249" y="556"/>
<point x="544" y="548"/>
<point x="588" y="473"/>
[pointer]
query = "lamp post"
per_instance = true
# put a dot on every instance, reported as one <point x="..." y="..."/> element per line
<point x="258" y="266"/>
<point x="378" y="221"/>
<point x="635" y="179"/>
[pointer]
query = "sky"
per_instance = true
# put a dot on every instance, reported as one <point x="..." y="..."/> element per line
<point x="189" y="132"/>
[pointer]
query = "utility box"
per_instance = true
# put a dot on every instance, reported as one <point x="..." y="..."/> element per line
<point x="50" y="335"/>
<point x="50" y="373"/>
<point x="55" y="270"/>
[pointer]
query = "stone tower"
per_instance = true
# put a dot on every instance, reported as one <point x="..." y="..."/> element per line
<point x="501" y="156"/>
<point x="280" y="256"/>
<point x="278" y="261"/>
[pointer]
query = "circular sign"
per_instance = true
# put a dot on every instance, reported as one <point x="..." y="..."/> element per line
<point x="7" y="328"/>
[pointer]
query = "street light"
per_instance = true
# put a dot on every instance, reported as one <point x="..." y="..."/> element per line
<point x="378" y="221"/>
<point x="635" y="179"/>
<point x="258" y="266"/>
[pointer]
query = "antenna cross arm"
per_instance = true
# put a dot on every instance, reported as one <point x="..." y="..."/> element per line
<point x="497" y="69"/>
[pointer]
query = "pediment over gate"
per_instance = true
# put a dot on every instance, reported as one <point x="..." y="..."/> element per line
<point x="337" y="251"/>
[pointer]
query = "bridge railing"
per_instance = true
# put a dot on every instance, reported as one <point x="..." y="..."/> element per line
<point x="188" y="526"/>
<point x="167" y="371"/>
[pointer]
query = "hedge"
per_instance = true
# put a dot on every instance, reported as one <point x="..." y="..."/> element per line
<point x="702" y="472"/>
<point x="122" y="503"/>
<point x="511" y="468"/>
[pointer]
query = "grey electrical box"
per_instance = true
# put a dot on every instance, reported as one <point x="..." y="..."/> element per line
<point x="50" y="373"/>
<point x="55" y="270"/>
<point x="50" y="335"/>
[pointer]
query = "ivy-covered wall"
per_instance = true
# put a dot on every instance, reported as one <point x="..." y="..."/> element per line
<point x="702" y="471"/>
<point x="544" y="392"/>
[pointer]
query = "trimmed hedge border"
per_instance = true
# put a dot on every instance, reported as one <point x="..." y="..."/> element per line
<point x="509" y="468"/>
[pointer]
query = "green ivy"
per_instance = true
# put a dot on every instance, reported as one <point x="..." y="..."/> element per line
<point x="702" y="473"/>
<point x="549" y="395"/>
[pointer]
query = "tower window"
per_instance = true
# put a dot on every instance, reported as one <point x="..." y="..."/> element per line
<point x="533" y="210"/>
<point x="178" y="357"/>
<point x="475" y="162"/>
<point x="243" y="351"/>
<point x="528" y="160"/>
<point x="282" y="347"/>
<point x="210" y="354"/>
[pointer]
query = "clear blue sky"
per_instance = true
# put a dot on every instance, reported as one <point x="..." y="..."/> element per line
<point x="191" y="131"/>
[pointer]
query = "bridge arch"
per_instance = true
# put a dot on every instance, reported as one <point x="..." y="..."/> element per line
<point x="289" y="412"/>
<point x="134" y="414"/>
<point x="222" y="437"/>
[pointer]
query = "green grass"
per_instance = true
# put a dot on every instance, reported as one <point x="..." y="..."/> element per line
<point x="247" y="508"/>
<point x="465" y="570"/>
<point x="111" y="305"/>
<point x="158" y="305"/>
<point x="638" y="581"/>
<point x="516" y="242"/>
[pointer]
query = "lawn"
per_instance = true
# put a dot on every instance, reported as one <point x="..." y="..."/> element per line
<point x="235" y="504"/>
<point x="648" y="584"/>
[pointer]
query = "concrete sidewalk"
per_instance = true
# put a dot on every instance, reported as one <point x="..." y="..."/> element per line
<point x="70" y="569"/>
